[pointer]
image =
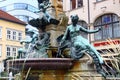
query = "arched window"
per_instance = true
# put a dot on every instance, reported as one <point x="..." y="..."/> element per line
<point x="110" y="26"/>
<point x="83" y="24"/>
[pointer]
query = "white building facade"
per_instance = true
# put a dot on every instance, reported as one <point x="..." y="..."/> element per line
<point x="22" y="9"/>
<point x="94" y="14"/>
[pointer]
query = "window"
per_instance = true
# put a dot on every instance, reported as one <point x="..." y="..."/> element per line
<point x="11" y="51"/>
<point x="73" y="4"/>
<point x="110" y="27"/>
<point x="20" y="6"/>
<point x="83" y="24"/>
<point x="32" y="8"/>
<point x="0" y="32"/>
<point x="99" y="0"/>
<point x="14" y="51"/>
<point x="8" y="34"/>
<point x="14" y="35"/>
<point x="17" y="6"/>
<point x="0" y="50"/>
<point x="3" y="8"/>
<point x="2" y="0"/>
<point x="25" y="6"/>
<point x="79" y="3"/>
<point x="19" y="36"/>
<point x="76" y="3"/>
<point x="8" y="51"/>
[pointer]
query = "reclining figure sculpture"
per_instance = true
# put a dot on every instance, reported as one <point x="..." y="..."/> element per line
<point x="78" y="45"/>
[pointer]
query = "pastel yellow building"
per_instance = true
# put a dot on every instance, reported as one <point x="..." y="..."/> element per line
<point x="12" y="30"/>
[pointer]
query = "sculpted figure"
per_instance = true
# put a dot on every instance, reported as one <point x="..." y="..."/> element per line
<point x="36" y="44"/>
<point x="45" y="17"/>
<point x="41" y="1"/>
<point x="39" y="40"/>
<point x="79" y="45"/>
<point x="43" y="8"/>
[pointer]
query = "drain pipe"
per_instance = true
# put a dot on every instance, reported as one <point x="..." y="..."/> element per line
<point x="89" y="19"/>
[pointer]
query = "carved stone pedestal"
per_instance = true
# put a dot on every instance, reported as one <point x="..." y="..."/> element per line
<point x="83" y="70"/>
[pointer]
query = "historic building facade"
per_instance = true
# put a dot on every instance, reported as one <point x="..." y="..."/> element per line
<point x="12" y="30"/>
<point x="93" y="14"/>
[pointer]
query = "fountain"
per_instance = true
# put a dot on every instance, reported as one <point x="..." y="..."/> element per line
<point x="41" y="58"/>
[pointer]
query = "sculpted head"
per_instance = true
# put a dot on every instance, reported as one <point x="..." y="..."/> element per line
<point x="74" y="19"/>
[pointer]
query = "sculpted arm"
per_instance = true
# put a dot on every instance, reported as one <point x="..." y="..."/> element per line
<point x="29" y="40"/>
<point x="89" y="31"/>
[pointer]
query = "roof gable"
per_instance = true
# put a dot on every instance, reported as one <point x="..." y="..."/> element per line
<point x="8" y="17"/>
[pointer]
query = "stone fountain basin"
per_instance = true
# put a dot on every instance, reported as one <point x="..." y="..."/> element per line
<point x="41" y="63"/>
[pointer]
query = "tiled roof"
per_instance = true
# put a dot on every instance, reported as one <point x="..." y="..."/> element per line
<point x="8" y="17"/>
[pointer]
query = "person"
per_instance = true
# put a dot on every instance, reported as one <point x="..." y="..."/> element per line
<point x="10" y="75"/>
<point x="80" y="44"/>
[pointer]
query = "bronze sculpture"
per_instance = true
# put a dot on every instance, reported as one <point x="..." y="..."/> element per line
<point x="79" y="45"/>
<point x="35" y="45"/>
